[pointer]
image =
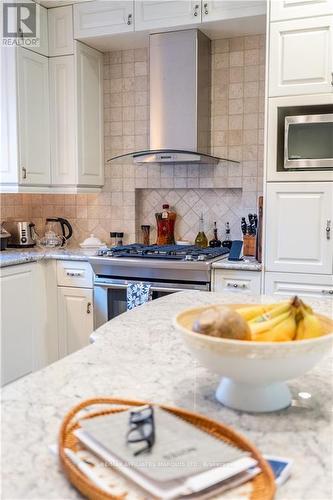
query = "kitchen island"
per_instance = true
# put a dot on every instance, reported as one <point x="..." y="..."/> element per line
<point x="140" y="355"/>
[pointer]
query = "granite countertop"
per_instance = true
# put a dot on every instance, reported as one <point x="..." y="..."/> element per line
<point x="14" y="256"/>
<point x="140" y="355"/>
<point x="247" y="264"/>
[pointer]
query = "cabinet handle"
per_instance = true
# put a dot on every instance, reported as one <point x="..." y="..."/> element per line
<point x="328" y="229"/>
<point x="206" y="8"/>
<point x="24" y="173"/>
<point x="236" y="285"/>
<point x="196" y="7"/>
<point x="324" y="292"/>
<point x="74" y="274"/>
<point x="332" y="78"/>
<point x="129" y="19"/>
<point x="89" y="308"/>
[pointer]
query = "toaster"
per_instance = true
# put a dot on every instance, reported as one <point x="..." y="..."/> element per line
<point x="22" y="234"/>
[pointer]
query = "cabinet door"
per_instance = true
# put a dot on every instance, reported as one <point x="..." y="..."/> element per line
<point x="42" y="45"/>
<point x="102" y="18"/>
<point x="33" y="111"/>
<point x="62" y="123"/>
<point x="8" y="127"/>
<point x="152" y="14"/>
<point x="293" y="9"/>
<point x="75" y="318"/>
<point x="225" y="280"/>
<point x="60" y="26"/>
<point x="17" y="321"/>
<point x="304" y="285"/>
<point x="301" y="56"/>
<point x="216" y="10"/>
<point x="89" y="81"/>
<point x="298" y="216"/>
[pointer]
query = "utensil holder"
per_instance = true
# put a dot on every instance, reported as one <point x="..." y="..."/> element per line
<point x="249" y="245"/>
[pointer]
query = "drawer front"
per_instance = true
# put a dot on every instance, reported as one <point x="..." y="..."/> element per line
<point x="305" y="285"/>
<point x="74" y="273"/>
<point x="236" y="281"/>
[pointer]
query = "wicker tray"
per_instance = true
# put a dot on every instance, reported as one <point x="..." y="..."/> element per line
<point x="262" y="486"/>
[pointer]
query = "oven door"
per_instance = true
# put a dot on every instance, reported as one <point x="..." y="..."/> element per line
<point x="110" y="295"/>
<point x="308" y="142"/>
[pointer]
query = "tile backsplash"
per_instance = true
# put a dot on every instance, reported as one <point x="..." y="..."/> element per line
<point x="132" y="194"/>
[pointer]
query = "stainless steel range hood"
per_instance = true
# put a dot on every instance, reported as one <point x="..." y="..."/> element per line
<point x="180" y="99"/>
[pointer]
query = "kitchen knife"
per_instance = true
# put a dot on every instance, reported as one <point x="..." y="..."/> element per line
<point x="243" y="225"/>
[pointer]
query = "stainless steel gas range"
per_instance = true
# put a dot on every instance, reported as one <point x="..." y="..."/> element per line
<point x="168" y="269"/>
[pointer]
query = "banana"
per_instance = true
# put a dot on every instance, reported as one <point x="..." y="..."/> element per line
<point x="309" y="326"/>
<point x="273" y="313"/>
<point x="282" y="332"/>
<point x="251" y="312"/>
<point x="264" y="326"/>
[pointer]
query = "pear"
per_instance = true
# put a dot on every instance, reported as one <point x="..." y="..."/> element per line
<point x="222" y="322"/>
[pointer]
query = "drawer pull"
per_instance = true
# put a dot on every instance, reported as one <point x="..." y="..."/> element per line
<point x="236" y="285"/>
<point x="206" y="8"/>
<point x="324" y="292"/>
<point x="196" y="10"/>
<point x="129" y="19"/>
<point x="74" y="274"/>
<point x="89" y="308"/>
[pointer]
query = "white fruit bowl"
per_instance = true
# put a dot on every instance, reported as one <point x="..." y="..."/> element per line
<point x="253" y="373"/>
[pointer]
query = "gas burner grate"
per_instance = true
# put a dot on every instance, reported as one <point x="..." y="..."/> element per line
<point x="168" y="252"/>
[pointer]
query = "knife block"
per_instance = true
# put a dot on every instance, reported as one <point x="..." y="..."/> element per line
<point x="249" y="245"/>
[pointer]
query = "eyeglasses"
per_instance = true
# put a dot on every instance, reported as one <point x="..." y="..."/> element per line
<point x="142" y="428"/>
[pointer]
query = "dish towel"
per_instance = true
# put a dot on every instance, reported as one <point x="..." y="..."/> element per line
<point x="138" y="294"/>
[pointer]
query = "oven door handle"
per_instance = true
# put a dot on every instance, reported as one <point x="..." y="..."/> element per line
<point x="122" y="286"/>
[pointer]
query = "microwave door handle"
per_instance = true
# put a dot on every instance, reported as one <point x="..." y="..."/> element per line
<point x="286" y="134"/>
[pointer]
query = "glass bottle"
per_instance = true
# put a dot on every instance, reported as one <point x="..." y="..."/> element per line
<point x="120" y="237"/>
<point x="227" y="242"/>
<point x="215" y="242"/>
<point x="201" y="239"/>
<point x="165" y="221"/>
<point x="145" y="228"/>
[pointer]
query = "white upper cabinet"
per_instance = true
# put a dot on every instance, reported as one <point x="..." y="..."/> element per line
<point x="89" y="78"/>
<point x="100" y="18"/>
<point x="62" y="123"/>
<point x="152" y="14"/>
<point x="41" y="32"/>
<point x="299" y="227"/>
<point x="60" y="28"/>
<point x="293" y="9"/>
<point x="216" y="10"/>
<point x="301" y="56"/>
<point x="33" y="113"/>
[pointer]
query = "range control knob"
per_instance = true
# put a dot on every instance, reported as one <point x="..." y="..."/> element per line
<point x="188" y="257"/>
<point x="23" y="240"/>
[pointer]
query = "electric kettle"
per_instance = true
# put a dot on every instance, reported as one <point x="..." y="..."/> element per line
<point x="57" y="232"/>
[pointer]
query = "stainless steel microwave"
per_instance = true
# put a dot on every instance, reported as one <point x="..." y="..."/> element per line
<point x="305" y="138"/>
<point x="308" y="141"/>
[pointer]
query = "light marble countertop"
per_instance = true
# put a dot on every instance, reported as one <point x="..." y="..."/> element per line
<point x="14" y="256"/>
<point x="247" y="264"/>
<point x="140" y="355"/>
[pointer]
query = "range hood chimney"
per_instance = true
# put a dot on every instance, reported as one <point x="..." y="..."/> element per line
<point x="180" y="99"/>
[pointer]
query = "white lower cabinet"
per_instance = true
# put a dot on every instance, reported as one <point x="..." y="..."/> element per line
<point x="21" y="321"/>
<point x="307" y="285"/>
<point x="75" y="318"/>
<point x="299" y="227"/>
<point x="228" y="280"/>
